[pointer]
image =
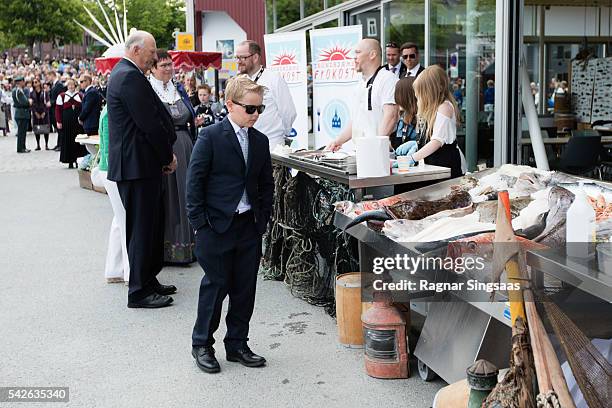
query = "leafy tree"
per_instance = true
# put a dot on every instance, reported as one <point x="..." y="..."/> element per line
<point x="29" y="21"/>
<point x="159" y="17"/>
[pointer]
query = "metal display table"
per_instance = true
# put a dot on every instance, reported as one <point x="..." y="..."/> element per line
<point x="463" y="327"/>
<point x="581" y="274"/>
<point x="415" y="175"/>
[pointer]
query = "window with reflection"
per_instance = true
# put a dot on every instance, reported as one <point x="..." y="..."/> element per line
<point x="312" y="7"/>
<point x="369" y="21"/>
<point x="462" y="41"/>
<point x="405" y="22"/>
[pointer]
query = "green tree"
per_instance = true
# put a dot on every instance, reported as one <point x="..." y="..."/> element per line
<point x="29" y="21"/>
<point x="159" y="17"/>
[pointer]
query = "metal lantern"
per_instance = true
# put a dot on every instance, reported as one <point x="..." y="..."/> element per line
<point x="384" y="333"/>
<point x="482" y="378"/>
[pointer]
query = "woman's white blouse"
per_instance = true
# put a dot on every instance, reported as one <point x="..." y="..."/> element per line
<point x="445" y="128"/>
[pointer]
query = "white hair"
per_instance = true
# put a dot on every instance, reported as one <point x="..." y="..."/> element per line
<point x="136" y="39"/>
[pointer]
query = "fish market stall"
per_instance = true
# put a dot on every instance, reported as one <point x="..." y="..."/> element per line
<point x="462" y="326"/>
<point x="302" y="246"/>
<point x="344" y="170"/>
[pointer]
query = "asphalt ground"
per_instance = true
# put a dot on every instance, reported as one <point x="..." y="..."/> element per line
<point x="63" y="325"/>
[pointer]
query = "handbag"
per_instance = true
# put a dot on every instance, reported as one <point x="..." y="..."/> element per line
<point x="42" y="129"/>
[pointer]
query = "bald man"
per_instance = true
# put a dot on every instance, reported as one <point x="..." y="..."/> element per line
<point x="375" y="110"/>
<point x="141" y="134"/>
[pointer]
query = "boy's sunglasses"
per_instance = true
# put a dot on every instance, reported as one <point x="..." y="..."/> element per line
<point x="250" y="109"/>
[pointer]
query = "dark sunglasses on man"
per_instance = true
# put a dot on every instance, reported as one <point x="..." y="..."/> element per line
<point x="251" y="109"/>
<point x="391" y="45"/>
<point x="409" y="56"/>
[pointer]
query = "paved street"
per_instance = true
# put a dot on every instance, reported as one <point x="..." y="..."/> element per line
<point x="63" y="325"/>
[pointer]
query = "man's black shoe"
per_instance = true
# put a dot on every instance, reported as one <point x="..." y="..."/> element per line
<point x="165" y="289"/>
<point x="153" y="301"/>
<point x="56" y="148"/>
<point x="205" y="359"/>
<point x="24" y="151"/>
<point x="245" y="357"/>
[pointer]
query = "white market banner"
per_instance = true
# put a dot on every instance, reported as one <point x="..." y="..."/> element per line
<point x="334" y="81"/>
<point x="286" y="54"/>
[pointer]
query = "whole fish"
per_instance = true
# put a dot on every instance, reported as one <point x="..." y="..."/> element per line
<point x="559" y="200"/>
<point x="416" y="209"/>
<point x="419" y="209"/>
<point x="487" y="210"/>
<point x="591" y="189"/>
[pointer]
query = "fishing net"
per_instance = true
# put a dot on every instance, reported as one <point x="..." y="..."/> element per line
<point x="302" y="247"/>
<point x="593" y="373"/>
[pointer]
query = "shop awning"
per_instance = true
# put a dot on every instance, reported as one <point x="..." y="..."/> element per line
<point x="190" y="60"/>
<point x="104" y="65"/>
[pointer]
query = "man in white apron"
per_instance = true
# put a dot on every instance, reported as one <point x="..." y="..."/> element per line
<point x="375" y="112"/>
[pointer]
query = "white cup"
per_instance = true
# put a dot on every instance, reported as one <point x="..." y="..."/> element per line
<point x="403" y="164"/>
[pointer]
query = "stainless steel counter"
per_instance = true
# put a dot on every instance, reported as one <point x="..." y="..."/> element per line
<point x="581" y="274"/>
<point x="415" y="175"/>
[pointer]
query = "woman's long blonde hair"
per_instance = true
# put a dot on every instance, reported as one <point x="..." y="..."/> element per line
<point x="432" y="88"/>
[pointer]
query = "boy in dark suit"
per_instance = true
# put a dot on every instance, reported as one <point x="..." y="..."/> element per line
<point x="229" y="202"/>
<point x="91" y="107"/>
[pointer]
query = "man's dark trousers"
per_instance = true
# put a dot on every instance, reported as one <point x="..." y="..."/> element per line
<point x="230" y="261"/>
<point x="22" y="128"/>
<point x="144" y="210"/>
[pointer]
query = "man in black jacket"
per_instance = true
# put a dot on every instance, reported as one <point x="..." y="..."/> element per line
<point x="141" y="134"/>
<point x="229" y="202"/>
<point x="91" y="107"/>
<point x="57" y="87"/>
<point x="411" y="59"/>
<point x="22" y="114"/>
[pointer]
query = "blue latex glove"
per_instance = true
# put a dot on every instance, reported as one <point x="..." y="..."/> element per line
<point x="407" y="148"/>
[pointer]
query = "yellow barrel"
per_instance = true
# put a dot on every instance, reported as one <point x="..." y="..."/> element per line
<point x="348" y="309"/>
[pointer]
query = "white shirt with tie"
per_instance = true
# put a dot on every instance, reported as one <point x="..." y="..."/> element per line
<point x="243" y="139"/>
<point x="413" y="72"/>
<point x="396" y="69"/>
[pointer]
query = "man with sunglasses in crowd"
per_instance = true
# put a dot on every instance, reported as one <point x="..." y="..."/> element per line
<point x="229" y="202"/>
<point x="91" y="106"/>
<point x="394" y="63"/>
<point x="410" y="57"/>
<point x="277" y="120"/>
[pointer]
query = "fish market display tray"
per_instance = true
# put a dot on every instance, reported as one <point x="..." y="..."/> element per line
<point x="347" y="165"/>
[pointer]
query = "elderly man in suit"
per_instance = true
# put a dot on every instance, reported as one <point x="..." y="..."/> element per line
<point x="91" y="107"/>
<point x="229" y="202"/>
<point x="22" y="114"/>
<point x="141" y="134"/>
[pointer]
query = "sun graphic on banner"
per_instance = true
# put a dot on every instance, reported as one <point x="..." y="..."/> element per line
<point x="335" y="53"/>
<point x="284" y="58"/>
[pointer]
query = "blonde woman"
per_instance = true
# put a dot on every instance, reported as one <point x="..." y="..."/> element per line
<point x="437" y="113"/>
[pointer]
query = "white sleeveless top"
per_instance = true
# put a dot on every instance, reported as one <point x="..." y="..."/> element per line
<point x="445" y="128"/>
